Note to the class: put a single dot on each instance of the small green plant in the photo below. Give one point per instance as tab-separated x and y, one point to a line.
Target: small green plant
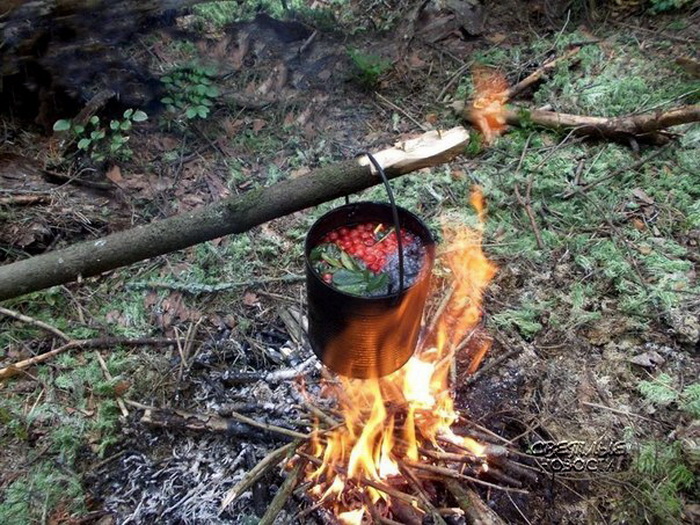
660	391
191	92
103	142
369	67
662	6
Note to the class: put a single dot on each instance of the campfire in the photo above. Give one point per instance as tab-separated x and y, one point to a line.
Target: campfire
395	433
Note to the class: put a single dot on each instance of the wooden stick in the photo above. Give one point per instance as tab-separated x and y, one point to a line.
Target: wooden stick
34	322
525	202
268	462
533	77
196	288
442	471
283	494
474	508
24	200
415	483
374	484
109	377
17	367
181	419
644	126
236	214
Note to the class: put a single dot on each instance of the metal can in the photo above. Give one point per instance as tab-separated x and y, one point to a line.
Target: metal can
366	337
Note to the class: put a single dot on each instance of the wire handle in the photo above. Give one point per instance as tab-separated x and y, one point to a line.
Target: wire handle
395	214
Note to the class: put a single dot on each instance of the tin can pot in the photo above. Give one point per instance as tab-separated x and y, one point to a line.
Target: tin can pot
366	337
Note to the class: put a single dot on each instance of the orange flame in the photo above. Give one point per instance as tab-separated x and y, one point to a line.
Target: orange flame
488	110
388	420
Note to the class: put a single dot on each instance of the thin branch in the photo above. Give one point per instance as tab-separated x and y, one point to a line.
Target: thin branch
100	342
257	472
283	494
198	288
35	322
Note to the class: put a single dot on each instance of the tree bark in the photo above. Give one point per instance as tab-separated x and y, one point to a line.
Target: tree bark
233	215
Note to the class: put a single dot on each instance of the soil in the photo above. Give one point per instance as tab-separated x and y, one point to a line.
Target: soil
284	93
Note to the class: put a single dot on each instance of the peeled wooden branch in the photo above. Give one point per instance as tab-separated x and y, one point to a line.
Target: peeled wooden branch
233	215
645	126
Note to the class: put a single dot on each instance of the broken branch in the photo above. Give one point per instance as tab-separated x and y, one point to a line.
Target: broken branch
644	126
236	214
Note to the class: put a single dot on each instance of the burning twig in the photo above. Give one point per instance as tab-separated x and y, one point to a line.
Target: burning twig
283	494
415	483
472	505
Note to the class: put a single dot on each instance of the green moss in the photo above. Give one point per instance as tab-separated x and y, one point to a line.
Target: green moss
31	497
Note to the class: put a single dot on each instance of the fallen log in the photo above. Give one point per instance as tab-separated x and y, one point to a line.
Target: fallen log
644	126
233	215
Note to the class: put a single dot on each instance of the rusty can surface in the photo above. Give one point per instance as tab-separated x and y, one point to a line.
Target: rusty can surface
366	337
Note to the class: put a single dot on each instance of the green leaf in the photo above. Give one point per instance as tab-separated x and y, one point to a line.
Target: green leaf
125	126
128	113
78	129
377	282
349	282
167	100
84	143
114	125
95	120
349	262
166	80
202	111
191	112
212	92
139	116
61	125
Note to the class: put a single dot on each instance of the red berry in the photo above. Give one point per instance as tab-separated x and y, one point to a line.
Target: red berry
333	236
328	278
343	230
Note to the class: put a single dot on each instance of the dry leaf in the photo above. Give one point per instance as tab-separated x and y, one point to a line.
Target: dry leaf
121	388
641	195
258	124
649	359
250	299
115	175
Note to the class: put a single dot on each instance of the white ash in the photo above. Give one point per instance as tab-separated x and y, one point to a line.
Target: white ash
185	487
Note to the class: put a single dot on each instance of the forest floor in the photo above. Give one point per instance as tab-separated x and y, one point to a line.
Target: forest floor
594	311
